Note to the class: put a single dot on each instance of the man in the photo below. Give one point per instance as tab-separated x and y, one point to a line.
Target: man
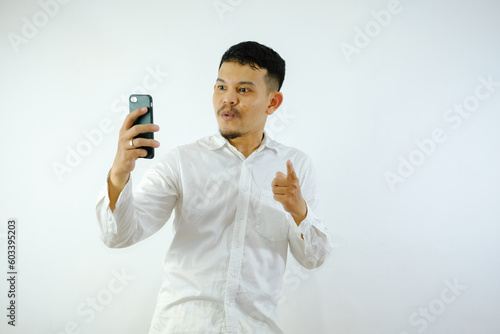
236	214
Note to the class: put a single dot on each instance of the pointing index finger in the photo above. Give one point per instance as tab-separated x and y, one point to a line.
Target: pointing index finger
290	170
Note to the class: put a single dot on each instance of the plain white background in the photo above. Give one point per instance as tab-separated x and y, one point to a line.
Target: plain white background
369	85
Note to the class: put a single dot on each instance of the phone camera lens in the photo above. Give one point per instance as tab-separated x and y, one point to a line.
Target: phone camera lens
133	99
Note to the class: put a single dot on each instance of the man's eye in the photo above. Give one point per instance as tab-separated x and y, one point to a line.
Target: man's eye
220	87
244	90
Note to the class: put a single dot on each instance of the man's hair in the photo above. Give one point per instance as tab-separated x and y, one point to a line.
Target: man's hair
258	56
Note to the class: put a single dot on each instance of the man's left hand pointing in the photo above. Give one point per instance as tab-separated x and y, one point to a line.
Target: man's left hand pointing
286	190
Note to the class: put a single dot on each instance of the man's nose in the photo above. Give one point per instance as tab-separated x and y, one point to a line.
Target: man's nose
230	98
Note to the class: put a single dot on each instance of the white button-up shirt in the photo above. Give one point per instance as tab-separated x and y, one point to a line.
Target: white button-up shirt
223	271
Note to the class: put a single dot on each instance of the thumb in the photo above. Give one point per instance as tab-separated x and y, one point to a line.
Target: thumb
290	171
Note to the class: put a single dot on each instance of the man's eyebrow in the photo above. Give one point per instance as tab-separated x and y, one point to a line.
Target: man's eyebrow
239	83
246	83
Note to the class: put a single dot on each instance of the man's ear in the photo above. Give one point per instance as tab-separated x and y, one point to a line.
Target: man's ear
275	102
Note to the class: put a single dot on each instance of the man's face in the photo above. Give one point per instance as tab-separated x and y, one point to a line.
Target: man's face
241	101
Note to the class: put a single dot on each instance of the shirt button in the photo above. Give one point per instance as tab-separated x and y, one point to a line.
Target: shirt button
234	274
237	245
245	188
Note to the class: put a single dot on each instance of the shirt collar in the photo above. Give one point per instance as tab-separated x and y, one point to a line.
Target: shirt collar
217	141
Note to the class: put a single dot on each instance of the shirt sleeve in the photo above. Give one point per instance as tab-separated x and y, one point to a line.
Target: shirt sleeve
140	214
311	251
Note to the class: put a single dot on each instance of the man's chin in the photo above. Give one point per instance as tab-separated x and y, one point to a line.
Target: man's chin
230	134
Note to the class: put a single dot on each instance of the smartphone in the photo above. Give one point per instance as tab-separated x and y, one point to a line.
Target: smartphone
139	101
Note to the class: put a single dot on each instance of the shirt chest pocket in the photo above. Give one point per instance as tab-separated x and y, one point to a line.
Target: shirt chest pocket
272	219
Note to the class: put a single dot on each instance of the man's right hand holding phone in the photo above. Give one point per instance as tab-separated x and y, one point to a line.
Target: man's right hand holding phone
128	152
